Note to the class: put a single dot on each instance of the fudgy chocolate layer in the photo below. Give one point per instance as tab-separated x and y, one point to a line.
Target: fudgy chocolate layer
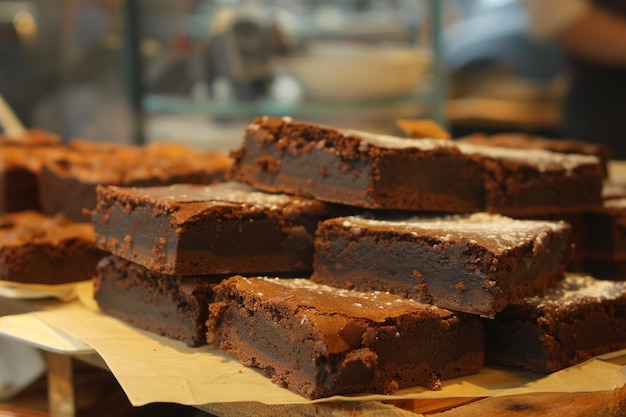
474	263
384	172
69	182
169	305
353	168
36	249
320	341
219	229
579	318
21	167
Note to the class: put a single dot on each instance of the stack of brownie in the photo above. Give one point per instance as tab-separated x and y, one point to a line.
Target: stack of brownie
170	244
45	185
463	264
173	248
22	160
582	225
342	262
35	248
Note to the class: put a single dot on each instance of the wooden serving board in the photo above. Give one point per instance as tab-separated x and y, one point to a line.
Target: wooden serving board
603	403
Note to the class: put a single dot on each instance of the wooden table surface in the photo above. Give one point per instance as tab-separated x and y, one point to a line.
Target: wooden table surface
597	404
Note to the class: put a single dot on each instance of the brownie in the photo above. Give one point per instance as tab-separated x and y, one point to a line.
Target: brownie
475	263
21	159
320	341
88	146
280	155
20	167
36	249
528	182
170	305
32	137
223	228
69	183
386	172
580	318
527	141
607	231
607	239
579	237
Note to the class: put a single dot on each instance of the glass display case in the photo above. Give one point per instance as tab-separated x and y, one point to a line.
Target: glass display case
200	70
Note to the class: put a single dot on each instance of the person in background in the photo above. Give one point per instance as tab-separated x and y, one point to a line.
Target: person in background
592	34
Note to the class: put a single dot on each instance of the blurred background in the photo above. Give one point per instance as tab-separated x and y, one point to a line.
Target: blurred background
198	71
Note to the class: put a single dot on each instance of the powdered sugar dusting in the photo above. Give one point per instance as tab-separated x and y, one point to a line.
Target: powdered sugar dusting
393	142
230	192
373	305
496	231
542	159
577	286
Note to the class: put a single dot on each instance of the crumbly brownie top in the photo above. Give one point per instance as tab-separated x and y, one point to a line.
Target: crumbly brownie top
303	295
32	227
188	200
30	157
496	232
526	141
578	287
90	146
542	159
32	137
229	193
122	164
393	142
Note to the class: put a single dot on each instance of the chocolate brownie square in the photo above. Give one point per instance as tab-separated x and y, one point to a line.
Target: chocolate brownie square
223	228
20	168
606	254
69	183
607	231
31	137
36	249
579	237
170	305
518	140
385	172
475	263
320	341
579	318
527	182
357	168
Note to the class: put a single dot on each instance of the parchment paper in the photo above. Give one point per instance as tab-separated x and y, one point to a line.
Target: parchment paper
64	292
151	368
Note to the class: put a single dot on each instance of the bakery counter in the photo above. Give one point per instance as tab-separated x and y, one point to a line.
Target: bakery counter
151	369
